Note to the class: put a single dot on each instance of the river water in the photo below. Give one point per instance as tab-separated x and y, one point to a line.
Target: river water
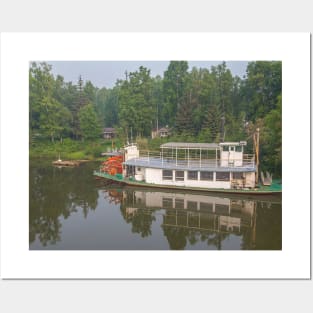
69	209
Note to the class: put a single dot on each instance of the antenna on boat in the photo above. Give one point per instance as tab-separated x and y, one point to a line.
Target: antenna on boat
256	141
131	135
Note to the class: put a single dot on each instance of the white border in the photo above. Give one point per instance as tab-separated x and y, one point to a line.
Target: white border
16	52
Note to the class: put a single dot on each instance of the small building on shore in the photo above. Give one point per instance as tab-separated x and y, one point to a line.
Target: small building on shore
161	132
109	133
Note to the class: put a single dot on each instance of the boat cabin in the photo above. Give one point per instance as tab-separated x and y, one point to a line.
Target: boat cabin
232	153
196	165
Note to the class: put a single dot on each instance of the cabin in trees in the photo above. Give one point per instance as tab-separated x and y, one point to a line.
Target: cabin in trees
109	133
162	132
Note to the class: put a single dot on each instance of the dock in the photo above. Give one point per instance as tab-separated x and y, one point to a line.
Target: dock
70	163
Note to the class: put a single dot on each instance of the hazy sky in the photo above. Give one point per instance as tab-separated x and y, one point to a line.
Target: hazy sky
106	73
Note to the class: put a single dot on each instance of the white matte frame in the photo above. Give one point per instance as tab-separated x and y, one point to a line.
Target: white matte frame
18	49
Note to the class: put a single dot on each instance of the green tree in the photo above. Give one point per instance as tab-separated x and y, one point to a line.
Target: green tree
90	92
54	118
184	123
261	87
207	100
79	102
88	121
193	93
108	106
223	92
59	90
174	89
41	83
211	124
68	95
205	135
135	103
157	102
272	139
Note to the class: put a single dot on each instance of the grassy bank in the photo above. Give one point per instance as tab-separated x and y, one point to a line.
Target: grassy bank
91	150
70	149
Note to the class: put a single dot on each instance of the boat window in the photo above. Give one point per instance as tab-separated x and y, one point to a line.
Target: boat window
238	148
231	148
193	219
206	175
138	169
193	175
167	203
167	175
179	175
204	206
179	203
222	176
221	209
192	205
237	175
225	148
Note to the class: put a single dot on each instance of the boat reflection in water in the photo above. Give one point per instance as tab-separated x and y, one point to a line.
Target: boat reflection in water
70	210
201	221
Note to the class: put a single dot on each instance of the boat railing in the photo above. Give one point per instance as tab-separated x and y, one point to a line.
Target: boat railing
248	160
154	157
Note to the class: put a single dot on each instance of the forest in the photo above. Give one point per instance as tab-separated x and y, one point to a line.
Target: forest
196	104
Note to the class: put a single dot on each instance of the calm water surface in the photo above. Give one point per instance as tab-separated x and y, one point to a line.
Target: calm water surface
71	210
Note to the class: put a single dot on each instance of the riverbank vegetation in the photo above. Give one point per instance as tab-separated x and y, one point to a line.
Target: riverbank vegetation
69	149
196	105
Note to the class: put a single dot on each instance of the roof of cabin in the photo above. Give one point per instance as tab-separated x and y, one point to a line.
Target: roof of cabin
109	130
161	129
190	145
241	143
164	129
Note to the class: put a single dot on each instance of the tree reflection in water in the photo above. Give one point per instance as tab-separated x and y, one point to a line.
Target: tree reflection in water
189	219
175	220
54	193
140	217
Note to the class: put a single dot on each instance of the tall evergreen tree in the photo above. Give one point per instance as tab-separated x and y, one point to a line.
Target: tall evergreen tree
107	106
174	87
78	104
184	123
212	124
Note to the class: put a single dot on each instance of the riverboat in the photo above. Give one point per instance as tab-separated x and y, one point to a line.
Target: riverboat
219	167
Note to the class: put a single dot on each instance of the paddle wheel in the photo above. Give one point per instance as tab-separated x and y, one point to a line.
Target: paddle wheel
113	165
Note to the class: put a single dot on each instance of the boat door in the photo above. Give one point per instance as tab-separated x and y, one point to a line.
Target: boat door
130	170
231	156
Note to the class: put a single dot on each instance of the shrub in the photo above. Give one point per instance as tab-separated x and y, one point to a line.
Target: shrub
79	155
